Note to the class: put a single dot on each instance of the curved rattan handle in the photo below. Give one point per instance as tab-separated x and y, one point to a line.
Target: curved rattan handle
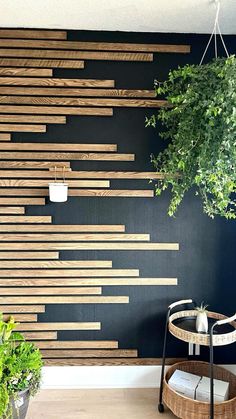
228	320
179	303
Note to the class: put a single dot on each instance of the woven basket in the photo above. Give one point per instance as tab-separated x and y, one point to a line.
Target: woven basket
186	408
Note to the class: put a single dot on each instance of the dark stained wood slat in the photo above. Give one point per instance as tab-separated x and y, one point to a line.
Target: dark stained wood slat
51	291
89	246
66	156
46	119
97	237
31	62
25	219
56	110
12	210
78	344
109	361
67	299
5	137
33	34
22	128
95	46
17	71
89	353
22	201
28	255
56	82
8	164
59	326
60	282
56	264
64	228
48	273
22	309
57	146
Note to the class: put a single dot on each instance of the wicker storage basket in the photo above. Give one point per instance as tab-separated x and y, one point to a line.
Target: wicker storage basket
186	408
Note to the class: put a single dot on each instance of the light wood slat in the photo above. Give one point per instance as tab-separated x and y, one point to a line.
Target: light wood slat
31	62
75	101
12	210
56	264
25	218
90	246
59	326
56	110
17	71
51	291
33	34
22	201
22	282
67	156
63	228
22	309
78	344
5	137
40	273
50	174
57	146
128	193
21	317
31	165
56	82
40	335
75	55
13	184
63	91
95	46
97	237
65	300
33	118
23	128
109	361
29	255
89	353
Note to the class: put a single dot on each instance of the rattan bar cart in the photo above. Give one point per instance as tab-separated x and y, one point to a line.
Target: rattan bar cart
181	324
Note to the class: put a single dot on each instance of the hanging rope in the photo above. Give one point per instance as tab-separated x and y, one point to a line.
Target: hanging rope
216	28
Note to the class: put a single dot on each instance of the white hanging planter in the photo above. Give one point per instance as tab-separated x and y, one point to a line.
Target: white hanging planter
58	191
202	322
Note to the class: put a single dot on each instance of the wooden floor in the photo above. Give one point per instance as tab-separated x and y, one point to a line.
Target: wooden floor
96	404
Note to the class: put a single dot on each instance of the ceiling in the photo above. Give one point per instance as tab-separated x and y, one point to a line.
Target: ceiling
189	16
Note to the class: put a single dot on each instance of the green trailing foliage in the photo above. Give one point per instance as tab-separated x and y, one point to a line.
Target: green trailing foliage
199	122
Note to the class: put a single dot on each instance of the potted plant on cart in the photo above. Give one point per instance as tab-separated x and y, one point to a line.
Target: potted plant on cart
20	371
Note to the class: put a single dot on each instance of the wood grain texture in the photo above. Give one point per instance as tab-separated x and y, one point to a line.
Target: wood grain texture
59	326
50	174
21	317
83	92
94	174
22	201
51	110
78	344
126	193
26	72
45	119
89	353
87	237
57	146
66	156
45	282
5	137
94	46
56	264
110	362
32	34
63	228
56	82
22	309
40	335
31	62
90	246
13	184
75	55
38	219
8	164
51	291
65	300
28	255
12	210
41	273
22	128
75	101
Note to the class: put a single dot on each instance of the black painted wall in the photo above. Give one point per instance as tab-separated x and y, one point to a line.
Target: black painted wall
205	264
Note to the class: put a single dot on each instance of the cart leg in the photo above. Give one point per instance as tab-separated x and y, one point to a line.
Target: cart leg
160	405
211	376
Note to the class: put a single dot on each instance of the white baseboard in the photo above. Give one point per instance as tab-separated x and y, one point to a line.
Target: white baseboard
104	377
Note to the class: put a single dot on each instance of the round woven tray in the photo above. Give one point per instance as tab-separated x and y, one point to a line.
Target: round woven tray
201	338
186	408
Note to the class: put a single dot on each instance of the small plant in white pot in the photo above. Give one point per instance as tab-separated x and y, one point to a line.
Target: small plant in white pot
201	319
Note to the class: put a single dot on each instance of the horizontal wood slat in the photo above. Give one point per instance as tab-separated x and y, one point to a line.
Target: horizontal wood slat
94	46
50	174
51	291
75	101
22	201
19	183
12	210
8	164
56	82
5	137
23	128
66	156
78	344
55	110
74	237
32	34
22	309
56	264
109	361
21	317
40	273
138	193
63	91
29	255
89	353
63	228
65	300
57	146
40	335
31	62
59	326
25	219
22	282
90	246
17	71
46	119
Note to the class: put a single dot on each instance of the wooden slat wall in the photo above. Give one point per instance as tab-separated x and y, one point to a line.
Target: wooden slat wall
57	146
5	137
56	264
22	127
63	300
127	193
42	282
56	110
89	246
30	62
32	34
22	309
12	210
25	219
26	72
64	228
46	119
28	255
54	82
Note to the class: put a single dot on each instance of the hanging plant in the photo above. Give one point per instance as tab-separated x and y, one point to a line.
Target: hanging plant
200	123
